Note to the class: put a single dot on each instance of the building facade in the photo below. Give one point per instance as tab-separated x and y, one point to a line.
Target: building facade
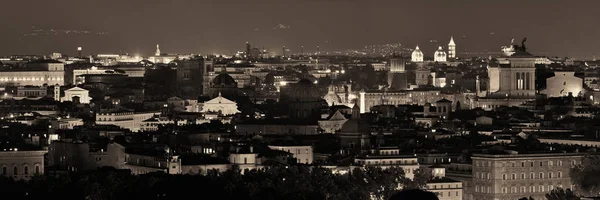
128	120
302	154
21	165
513	176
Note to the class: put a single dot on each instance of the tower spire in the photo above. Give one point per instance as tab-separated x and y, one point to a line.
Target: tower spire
451	41
157	50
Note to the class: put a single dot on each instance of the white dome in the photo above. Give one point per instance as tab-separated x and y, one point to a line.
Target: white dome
440	55
417	55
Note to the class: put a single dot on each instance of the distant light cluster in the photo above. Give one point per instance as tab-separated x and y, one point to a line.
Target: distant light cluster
48	32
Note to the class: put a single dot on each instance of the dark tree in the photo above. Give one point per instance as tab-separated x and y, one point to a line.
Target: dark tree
561	194
586	176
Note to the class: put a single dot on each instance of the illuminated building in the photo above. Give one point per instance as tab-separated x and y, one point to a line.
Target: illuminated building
389	157
417	55
77	95
161	58
397	65
420	97
130	71
128	120
340	94
31	91
21	164
513	176
563	84
333	123
512	81
397	77
36	73
451	48
220	105
439	55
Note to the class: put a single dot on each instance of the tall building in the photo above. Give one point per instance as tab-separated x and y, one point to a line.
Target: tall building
397	65
417	55
397	79
190	76
439	55
513	175
512	81
157	53
451	48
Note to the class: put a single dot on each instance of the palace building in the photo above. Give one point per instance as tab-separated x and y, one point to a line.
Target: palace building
35	73
513	176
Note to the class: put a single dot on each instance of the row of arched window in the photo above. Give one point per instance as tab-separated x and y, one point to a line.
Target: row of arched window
515	189
549	163
24	170
513	176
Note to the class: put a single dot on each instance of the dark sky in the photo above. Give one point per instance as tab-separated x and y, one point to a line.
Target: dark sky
559	28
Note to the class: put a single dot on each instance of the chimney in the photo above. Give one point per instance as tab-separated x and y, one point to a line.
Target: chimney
251	149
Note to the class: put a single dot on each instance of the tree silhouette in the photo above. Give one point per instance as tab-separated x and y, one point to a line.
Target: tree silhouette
586	176
561	194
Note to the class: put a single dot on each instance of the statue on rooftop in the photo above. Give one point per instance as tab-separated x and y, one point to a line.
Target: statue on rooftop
522	47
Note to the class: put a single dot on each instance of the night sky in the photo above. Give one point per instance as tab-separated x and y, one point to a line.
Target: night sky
558	28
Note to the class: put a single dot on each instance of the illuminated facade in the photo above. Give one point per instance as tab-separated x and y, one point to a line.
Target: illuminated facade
397	65
389	157
405	97
128	120
341	94
36	73
220	105
451	48
78	95
512	81
417	55
439	55
161	58
563	84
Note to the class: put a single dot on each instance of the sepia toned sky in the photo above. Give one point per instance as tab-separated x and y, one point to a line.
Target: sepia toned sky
553	27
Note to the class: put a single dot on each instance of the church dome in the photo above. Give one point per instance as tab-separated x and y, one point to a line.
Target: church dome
417	55
355	126
440	52
270	78
305	82
224	79
440	55
304	90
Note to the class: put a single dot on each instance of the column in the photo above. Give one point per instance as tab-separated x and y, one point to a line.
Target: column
362	102
516	78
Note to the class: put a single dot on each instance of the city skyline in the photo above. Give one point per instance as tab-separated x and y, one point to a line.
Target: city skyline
223	27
